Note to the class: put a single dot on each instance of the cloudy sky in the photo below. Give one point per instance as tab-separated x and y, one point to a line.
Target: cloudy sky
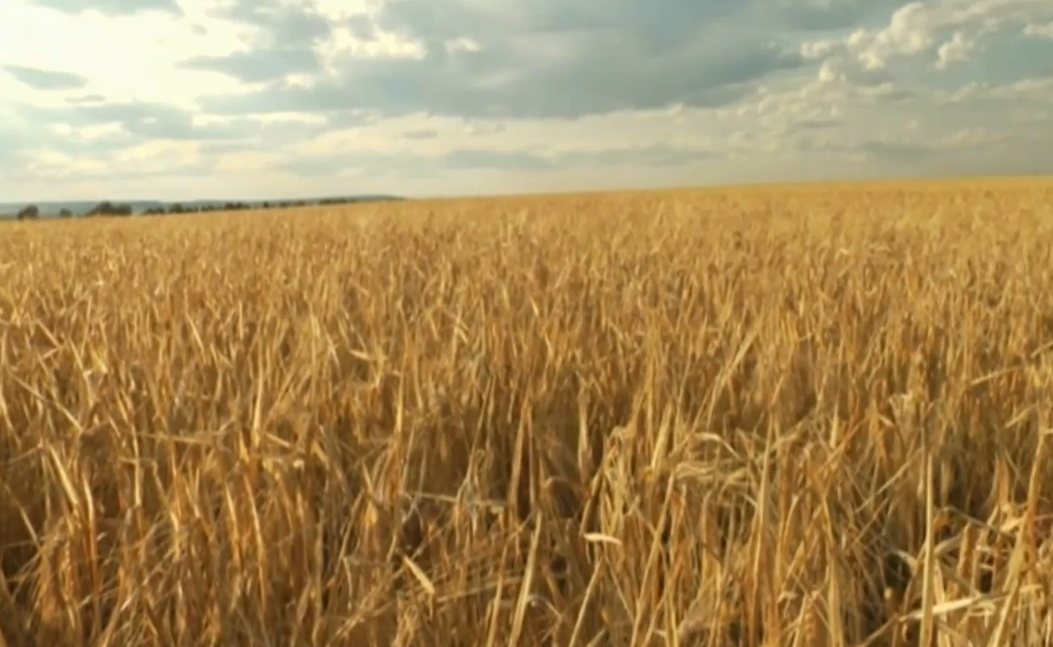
180	99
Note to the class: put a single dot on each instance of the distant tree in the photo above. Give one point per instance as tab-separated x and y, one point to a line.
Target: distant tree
30	212
65	213
107	208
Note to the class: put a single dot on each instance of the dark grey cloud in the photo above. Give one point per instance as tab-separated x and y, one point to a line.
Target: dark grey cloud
111	7
1007	57
259	66
361	27
87	98
595	77
291	24
46	79
537	58
140	119
654	27
287	36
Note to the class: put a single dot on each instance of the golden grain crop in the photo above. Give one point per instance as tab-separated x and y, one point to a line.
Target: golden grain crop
759	417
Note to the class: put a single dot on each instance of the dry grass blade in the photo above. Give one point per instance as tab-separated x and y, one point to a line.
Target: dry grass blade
758	417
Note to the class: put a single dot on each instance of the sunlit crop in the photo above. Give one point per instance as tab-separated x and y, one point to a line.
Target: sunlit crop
793	417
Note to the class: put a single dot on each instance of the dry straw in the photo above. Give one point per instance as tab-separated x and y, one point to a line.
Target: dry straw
769	417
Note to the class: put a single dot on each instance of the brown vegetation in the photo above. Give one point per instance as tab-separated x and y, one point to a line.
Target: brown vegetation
768	417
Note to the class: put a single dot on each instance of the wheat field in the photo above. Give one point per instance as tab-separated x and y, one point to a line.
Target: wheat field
791	416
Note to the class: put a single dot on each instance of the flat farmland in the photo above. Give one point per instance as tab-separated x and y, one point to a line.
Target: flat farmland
767	416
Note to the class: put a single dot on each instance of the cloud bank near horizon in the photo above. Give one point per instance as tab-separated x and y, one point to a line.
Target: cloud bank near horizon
179	99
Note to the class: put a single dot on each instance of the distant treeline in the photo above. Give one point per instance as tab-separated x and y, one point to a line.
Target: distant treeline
107	208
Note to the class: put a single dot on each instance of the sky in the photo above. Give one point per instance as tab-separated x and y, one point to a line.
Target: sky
269	99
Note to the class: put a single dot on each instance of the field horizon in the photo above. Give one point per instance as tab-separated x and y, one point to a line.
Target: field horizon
756	416
77	206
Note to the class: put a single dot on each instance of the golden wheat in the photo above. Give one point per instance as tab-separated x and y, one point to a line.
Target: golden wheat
762	417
